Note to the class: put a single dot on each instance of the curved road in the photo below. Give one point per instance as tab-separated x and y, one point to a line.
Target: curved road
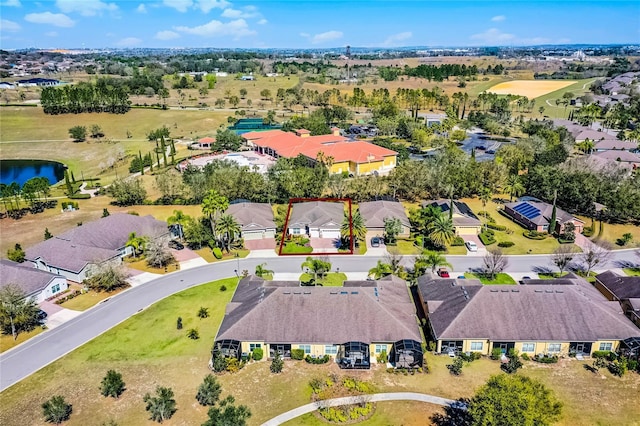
31	356
376	397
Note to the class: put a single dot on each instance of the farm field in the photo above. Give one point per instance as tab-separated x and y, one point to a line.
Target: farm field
529	88
149	351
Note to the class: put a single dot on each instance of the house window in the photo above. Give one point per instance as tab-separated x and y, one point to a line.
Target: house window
307	348
476	346
528	347
296	231
606	346
380	348
55	288
253	346
330	350
554	348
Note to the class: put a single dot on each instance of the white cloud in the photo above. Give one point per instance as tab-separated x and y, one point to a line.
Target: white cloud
85	7
396	39
179	5
51	34
237	28
493	36
207	5
7	26
246	12
325	37
166	35
141	8
262	21
498	18
11	3
55	19
129	42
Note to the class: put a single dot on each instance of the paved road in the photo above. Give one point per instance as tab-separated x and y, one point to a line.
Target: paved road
376	397
45	348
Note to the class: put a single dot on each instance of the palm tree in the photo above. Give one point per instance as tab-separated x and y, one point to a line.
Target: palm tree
380	270
262	271
179	219
357	224
441	231
162	406
317	267
434	259
228	227
212	205
514	187
137	243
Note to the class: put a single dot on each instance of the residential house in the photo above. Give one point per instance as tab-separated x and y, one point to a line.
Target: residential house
352	324
36	284
536	215
318	219
39	82
630	158
615	145
538	318
255	219
73	252
356	158
465	222
592	135
374	214
205	143
622	289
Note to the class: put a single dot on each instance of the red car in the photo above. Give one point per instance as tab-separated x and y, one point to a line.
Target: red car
443	273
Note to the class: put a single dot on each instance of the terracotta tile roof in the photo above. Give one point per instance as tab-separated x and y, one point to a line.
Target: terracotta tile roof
259	135
207	140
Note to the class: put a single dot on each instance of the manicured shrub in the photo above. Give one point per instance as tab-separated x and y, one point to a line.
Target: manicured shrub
496	353
317	360
588	231
217	253
457	241
257	354
535	235
618	367
492	225
506	244
80	196
546	359
512	366
600	354
203	312
471	357
382	357
525	357
297	354
277	364
223	288
487	239
193	334
455	368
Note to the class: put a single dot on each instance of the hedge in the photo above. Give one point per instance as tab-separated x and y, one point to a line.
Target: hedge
506	244
563	241
257	354
534	235
217	253
487	239
457	241
80	196
492	225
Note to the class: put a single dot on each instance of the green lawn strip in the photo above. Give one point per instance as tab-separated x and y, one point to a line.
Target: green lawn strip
362	249
550	275
290	248
207	254
404	246
7	342
87	300
632	272
332	279
456	250
500	279
560	111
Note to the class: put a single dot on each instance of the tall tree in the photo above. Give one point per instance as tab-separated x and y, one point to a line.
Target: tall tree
595	254
514	187
562	256
227	227
56	410
356	223
553	220
392	227
441	231
319	267
137	243
161	406
179	219
213	205
494	262
18	313
432	260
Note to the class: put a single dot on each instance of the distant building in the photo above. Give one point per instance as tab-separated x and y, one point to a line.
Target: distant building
39	82
247	78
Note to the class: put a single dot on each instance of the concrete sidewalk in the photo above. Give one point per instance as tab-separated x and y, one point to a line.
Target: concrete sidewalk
60	317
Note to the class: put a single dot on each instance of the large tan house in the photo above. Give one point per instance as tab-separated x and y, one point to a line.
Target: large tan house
551	317
357	158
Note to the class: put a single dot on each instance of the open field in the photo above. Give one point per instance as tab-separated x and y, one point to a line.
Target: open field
529	88
149	351
548	101
612	231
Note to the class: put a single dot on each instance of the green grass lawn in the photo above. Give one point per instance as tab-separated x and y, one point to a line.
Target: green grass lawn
579	88
332	279
207	254
291	248
632	272
500	278
404	247
7	342
88	299
551	275
612	231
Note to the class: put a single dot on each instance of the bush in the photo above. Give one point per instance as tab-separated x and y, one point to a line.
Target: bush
487	239
317	360
601	354
79	196
223	287
496	353
486	215
506	244
193	334
471	357
257	354
512	366
277	364
217	253
492	225
456	367
546	359
66	204
618	367
457	241
525	357
382	357
588	231
297	354
203	312
535	235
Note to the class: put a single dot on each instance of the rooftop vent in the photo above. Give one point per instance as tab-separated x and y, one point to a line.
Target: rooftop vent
538	291
344	292
297	292
548	291
559	291
287	292
515	291
307	292
354	292
493	290
333	292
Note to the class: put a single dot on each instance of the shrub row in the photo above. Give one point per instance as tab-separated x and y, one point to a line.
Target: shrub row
546	359
297	354
69	296
588	231
506	244
65	204
471	357
317	360
80	196
486	215
535	235
492	225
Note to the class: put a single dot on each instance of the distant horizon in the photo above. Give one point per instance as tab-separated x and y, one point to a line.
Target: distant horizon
309	24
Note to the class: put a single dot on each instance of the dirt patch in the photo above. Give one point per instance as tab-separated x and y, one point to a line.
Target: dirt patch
529	88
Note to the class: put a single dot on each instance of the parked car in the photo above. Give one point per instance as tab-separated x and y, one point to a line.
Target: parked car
471	246
443	273
42	315
176	245
376	241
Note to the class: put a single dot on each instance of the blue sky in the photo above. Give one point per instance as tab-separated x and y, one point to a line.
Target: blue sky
312	23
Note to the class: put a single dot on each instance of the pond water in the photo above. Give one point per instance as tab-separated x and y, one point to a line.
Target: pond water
21	171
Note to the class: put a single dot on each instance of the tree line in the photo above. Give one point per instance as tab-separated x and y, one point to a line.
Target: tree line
101	96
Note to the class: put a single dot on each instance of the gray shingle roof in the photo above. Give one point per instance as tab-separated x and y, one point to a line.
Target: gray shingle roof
252	216
462	214
565	313
28	278
616	144
329	315
316	214
627	156
95	241
546	210
375	212
621	287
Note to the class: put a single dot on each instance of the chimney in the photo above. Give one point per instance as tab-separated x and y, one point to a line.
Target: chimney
303	133
335	131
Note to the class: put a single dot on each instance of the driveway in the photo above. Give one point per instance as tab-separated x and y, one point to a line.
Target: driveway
261	244
326	245
482	250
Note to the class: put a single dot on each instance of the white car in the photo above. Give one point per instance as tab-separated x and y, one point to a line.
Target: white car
471	246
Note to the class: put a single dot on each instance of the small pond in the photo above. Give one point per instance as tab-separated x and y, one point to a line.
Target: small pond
21	171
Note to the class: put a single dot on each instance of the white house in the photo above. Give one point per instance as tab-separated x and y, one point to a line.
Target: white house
36	284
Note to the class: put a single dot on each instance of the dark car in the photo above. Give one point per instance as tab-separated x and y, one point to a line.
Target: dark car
176	245
376	241
41	316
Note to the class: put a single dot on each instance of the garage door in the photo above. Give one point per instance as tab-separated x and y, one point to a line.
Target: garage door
472	230
252	235
330	234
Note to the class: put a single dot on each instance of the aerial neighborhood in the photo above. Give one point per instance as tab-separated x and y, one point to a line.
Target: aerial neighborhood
316	234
